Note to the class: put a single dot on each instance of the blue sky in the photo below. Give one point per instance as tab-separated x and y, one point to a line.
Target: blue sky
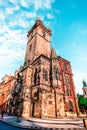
67	20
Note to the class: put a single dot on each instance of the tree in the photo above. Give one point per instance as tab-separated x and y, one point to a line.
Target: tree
82	102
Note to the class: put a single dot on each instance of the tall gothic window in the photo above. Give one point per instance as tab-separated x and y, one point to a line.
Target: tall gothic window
35	76
65	67
45	75
38	78
67	79
56	73
71	106
69	92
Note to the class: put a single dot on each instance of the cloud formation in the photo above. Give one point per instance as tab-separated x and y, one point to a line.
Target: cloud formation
16	18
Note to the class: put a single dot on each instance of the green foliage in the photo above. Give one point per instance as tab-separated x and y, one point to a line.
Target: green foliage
82	102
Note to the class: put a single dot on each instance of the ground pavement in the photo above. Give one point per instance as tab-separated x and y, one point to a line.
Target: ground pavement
45	124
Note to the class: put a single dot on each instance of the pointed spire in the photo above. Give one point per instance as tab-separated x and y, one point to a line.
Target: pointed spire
84	83
38	21
53	53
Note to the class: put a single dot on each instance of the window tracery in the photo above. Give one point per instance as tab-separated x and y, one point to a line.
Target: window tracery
45	74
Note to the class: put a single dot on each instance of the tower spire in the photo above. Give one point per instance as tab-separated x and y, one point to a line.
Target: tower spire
53	53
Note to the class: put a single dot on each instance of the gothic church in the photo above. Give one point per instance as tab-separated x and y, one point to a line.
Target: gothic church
47	86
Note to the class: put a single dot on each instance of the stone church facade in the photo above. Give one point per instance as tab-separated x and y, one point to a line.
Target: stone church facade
44	85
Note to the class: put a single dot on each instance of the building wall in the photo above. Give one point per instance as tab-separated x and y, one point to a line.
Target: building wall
68	85
85	92
5	89
26	89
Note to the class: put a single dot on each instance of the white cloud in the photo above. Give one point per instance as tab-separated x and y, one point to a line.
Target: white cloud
43	4
30	14
38	4
12	48
13	23
49	16
25	3
9	10
22	21
12	9
2	16
3	29
12	41
15	2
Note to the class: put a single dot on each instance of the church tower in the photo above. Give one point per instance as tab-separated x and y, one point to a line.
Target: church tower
38	42
84	89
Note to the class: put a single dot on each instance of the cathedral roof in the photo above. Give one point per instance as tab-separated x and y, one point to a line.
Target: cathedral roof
53	53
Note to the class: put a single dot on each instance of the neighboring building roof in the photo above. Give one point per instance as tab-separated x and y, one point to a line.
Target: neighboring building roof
63	59
39	58
6	79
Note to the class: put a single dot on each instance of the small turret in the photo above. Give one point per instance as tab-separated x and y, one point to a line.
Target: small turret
53	53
